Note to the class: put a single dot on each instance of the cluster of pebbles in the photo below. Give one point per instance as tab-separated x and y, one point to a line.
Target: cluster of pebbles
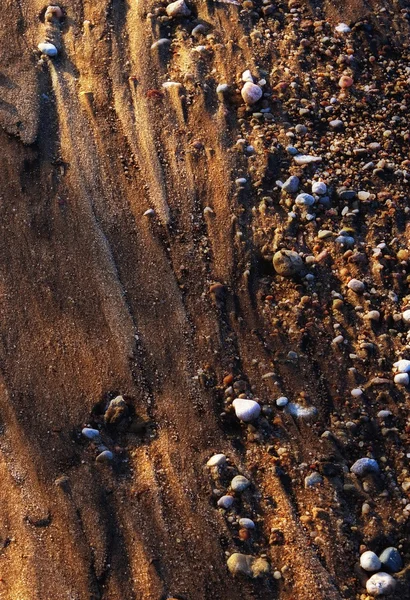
116	410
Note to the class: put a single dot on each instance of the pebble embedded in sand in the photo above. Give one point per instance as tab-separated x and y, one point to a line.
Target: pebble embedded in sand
345	82
48	49
225	502
91	434
240	483
301	412
304	200
406	316
401	379
356	285
369	561
282	401
306	159
391	559
178	9
251	93
319	188
246	410
53	12
287	263
246	523
372	315
313	480
222	88
364	466
244	564
380	584
161	43
217	460
342	28
291	185
402	366
106	456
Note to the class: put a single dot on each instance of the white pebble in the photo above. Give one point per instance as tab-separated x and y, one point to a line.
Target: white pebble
222	88
372	315
149	213
247	76
406	316
356	392
178	9
239	483
48	49
302	412
401	379
246	410
216	460
380	584
319	187
225	502
251	93
369	561
91	434
402	366
356	285
342	28
282	401
304	200
305	159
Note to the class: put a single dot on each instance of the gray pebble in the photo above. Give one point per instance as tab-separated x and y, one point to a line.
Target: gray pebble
313	480
240	483
287	263
291	185
105	457
91	434
364	466
391	560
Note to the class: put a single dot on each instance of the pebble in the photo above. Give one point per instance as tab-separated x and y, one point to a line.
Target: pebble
91	434
301	412
251	93
178	9
406	316
216	460
342	28
105	457
246	410
306	159
247	76
369	561
401	379
356	285
319	187
282	401
363	195
391	559
356	392
402	366
345	82
117	409
48	49
149	213
336	124
291	185
364	466
222	88
384	414
161	43
373	315
287	263
380	584
225	502
313	480
239	483
305	200
246	523
244	564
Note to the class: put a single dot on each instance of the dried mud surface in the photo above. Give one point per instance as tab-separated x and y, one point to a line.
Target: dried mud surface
98	300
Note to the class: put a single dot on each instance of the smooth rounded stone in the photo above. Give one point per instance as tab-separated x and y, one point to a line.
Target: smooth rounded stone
363	195
372	315
282	401
391	559
345	82
222	88
247	76
291	185
336	124
91	434
292	150
168	85
345	194
401	379
356	392
304	200
301	412
149	213
313	480
178	9
306	159
301	129
244	564
246	523
106	456
346	240
239	483
217	460
402	366
380	584
324	233
319	188
384	414
161	43
365	466
356	285
246	410
342	28
287	263
251	93
117	410
406	316
225	502
48	49
369	561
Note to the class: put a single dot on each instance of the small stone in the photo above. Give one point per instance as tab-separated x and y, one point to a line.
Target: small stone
401	379
287	263
313	480
306	159
402	366
48	49
319	188
356	285
246	410
291	185
161	43
342	28
345	82
336	124
363	195
372	315
369	561
282	401
105	457
251	93
380	584
305	200
244	564
356	392
149	213
240	483
217	460
391	559
117	410
246	523
178	9
225	502
222	88
91	434
301	412
406	316
384	414
345	194
365	466
247	76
